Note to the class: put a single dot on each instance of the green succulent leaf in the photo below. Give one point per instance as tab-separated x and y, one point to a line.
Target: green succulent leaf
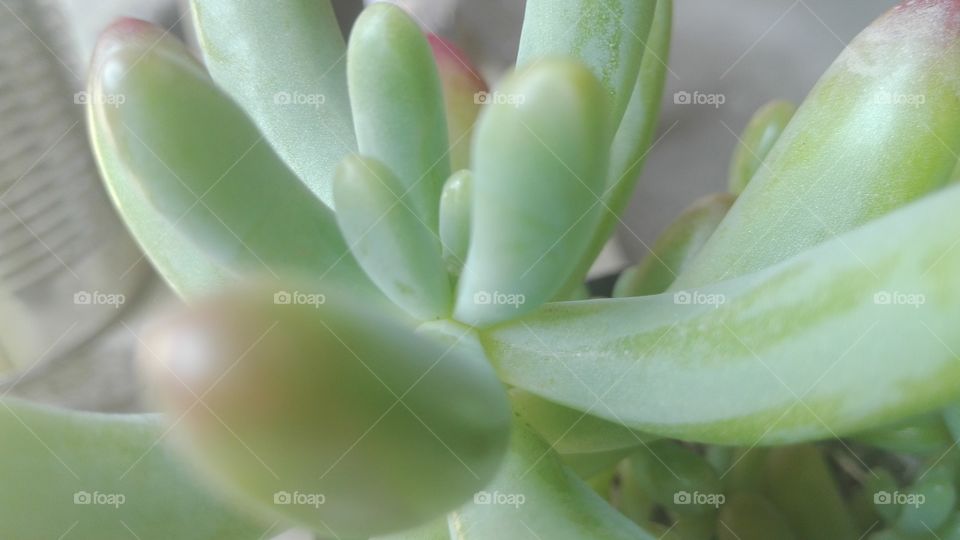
435	530
524	154
284	63
677	478
92	476
777	356
877	131
398	251
205	196
758	138
398	104
928	503
800	483
675	247
634	136
455	205
326	415
572	432
750	516
535	493
926	435
609	36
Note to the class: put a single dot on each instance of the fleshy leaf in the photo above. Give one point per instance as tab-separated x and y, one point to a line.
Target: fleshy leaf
812	347
633	137
673	249
525	154
569	431
927	435
202	191
455	220
92	476
800	483
436	530
284	63
398	251
877	131
325	412
758	138
535	493
398	107
609	36
750	516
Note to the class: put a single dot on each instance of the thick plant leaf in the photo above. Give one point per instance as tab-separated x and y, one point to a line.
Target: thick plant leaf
534	495
455	220
927	435
633	137
749	516
435	530
674	248
203	193
397	250
758	138
464	93
609	36
525	154
326	413
91	476
800	483
285	64
810	348
398	106
569	431
878	131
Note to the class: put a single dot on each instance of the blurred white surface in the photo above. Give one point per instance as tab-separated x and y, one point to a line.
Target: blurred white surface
63	252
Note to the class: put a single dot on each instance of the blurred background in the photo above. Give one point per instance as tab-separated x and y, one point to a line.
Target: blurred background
74	289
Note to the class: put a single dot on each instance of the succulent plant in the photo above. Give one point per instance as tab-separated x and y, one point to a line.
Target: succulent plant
384	332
